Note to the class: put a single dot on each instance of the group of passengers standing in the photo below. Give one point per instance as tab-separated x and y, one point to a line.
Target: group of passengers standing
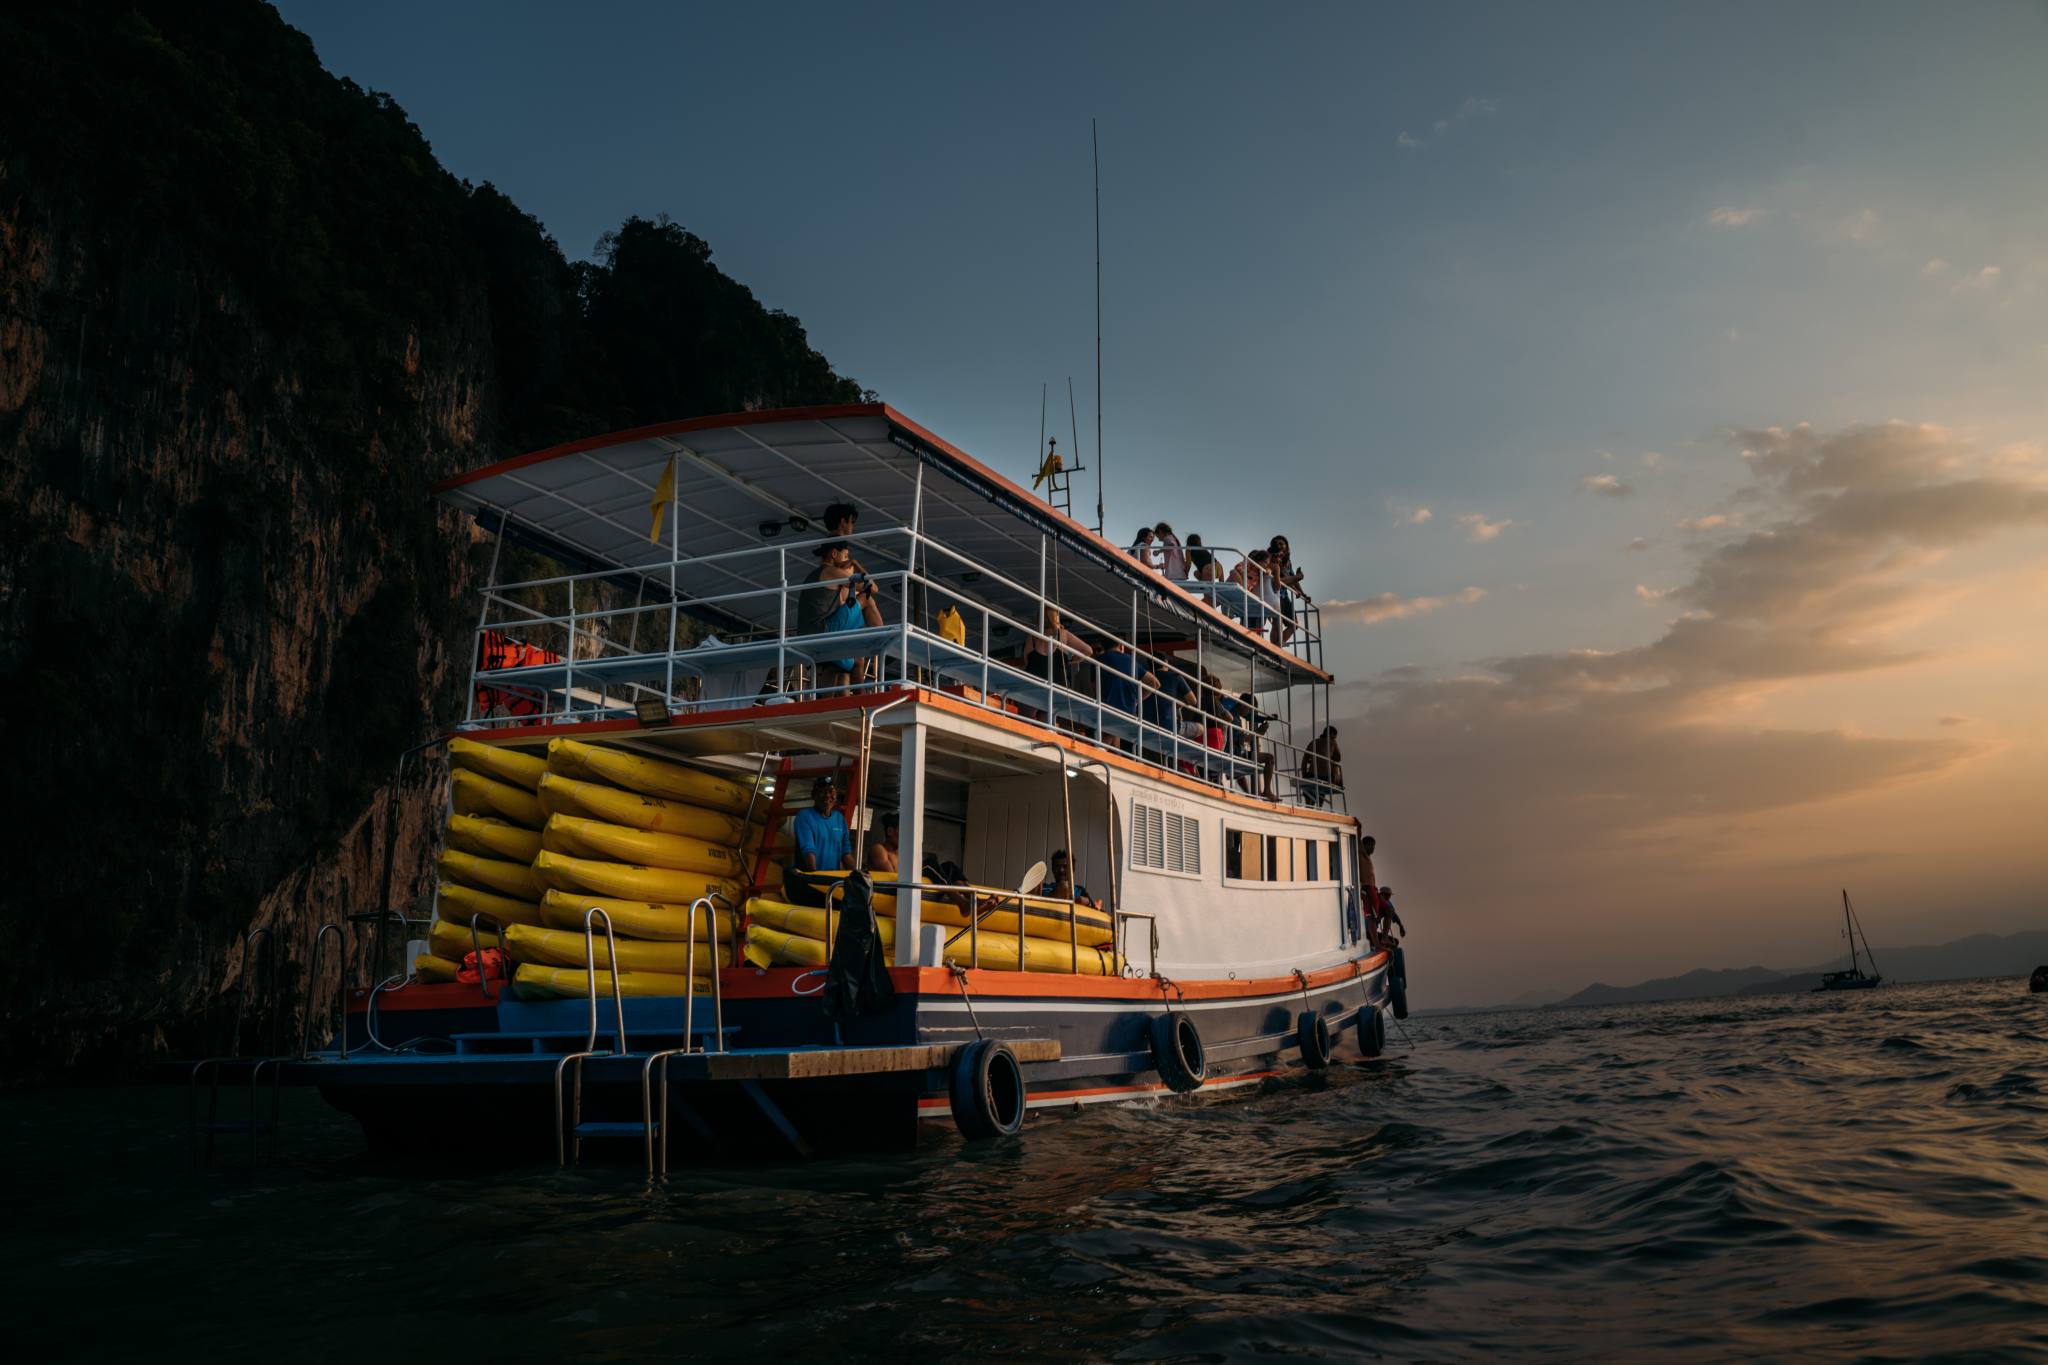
1270	578
1194	706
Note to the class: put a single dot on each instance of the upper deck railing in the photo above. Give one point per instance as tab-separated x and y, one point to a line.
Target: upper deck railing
747	642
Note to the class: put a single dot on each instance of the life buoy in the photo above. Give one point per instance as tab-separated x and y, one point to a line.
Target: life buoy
1372	1030
988	1092
1177	1051
1397	983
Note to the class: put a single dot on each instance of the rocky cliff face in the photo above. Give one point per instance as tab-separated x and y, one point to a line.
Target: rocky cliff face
245	320
222	618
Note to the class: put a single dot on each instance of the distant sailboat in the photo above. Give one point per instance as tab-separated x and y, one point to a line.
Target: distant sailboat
1854	979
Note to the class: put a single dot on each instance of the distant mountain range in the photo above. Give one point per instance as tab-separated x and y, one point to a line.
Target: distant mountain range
1977	955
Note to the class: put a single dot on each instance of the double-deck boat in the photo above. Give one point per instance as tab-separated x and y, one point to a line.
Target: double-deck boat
650	714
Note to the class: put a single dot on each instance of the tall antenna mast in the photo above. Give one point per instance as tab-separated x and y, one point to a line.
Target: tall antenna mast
1095	147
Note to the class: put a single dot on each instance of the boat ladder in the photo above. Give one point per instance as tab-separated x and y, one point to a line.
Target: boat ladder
571	1128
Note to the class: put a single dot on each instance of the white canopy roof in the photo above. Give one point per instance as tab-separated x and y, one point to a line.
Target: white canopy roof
744	480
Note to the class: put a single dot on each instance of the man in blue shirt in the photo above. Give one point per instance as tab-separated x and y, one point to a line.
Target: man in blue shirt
821	842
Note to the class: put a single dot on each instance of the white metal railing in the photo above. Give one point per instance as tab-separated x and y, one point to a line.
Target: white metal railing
592	660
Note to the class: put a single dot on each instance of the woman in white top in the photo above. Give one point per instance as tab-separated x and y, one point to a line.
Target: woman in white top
1173	561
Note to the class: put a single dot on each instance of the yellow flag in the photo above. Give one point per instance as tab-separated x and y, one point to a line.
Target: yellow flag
664	494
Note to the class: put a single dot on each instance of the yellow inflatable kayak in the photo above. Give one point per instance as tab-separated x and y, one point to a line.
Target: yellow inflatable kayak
496	761
649	776
450	941
560	948
490	874
533	980
1040	955
476	794
1043	919
581	838
772	948
664	884
805	922
561	795
427	967
492	838
635	919
458	903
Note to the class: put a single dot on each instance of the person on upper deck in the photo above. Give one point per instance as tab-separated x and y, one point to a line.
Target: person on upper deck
1250	574
1141	548
1120	667
1322	768
1202	563
1173	560
838	521
1059	881
1255	747
1049	655
883	849
843	601
1286	584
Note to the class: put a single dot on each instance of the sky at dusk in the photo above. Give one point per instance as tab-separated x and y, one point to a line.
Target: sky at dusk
1656	397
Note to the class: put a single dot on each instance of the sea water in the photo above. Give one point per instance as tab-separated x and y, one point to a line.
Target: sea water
1780	1177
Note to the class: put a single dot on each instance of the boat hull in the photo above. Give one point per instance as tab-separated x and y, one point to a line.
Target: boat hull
498	1106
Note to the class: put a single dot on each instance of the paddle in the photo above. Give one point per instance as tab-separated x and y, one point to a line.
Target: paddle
1033	879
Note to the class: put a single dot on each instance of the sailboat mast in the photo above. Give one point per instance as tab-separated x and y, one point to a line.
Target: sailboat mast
1849	928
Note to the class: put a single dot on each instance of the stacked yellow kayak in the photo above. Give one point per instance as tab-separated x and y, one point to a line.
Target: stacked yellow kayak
486	866
784	935
643	839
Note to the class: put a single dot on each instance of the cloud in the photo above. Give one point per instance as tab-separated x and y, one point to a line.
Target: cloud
1652	458
1536	761
1606	485
1640	790
1859	228
1713	521
1472	108
1734	217
1389	606
1637	544
1414	516
1478	528
1936	266
1985	279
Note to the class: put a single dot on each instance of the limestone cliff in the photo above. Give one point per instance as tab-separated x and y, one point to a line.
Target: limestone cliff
245	320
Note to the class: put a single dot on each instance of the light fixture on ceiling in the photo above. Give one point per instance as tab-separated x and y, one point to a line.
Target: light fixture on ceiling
770	529
799	523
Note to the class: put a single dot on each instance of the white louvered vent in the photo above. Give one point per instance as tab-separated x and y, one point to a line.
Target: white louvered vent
1164	840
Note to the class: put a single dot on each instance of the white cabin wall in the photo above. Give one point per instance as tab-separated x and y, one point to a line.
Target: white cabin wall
1210	928
1013	822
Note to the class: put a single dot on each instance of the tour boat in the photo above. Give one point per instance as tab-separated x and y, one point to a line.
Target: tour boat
647	718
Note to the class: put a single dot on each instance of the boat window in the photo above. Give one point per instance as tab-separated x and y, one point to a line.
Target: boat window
1249	857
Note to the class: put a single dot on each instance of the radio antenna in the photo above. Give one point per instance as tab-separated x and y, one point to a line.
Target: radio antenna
1074	419
1095	148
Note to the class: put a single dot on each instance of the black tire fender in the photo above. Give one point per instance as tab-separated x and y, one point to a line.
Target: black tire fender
1178	1053
988	1092
1312	1034
1372	1030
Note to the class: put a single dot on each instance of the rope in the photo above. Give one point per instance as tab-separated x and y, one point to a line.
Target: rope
1166	983
795	987
960	975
